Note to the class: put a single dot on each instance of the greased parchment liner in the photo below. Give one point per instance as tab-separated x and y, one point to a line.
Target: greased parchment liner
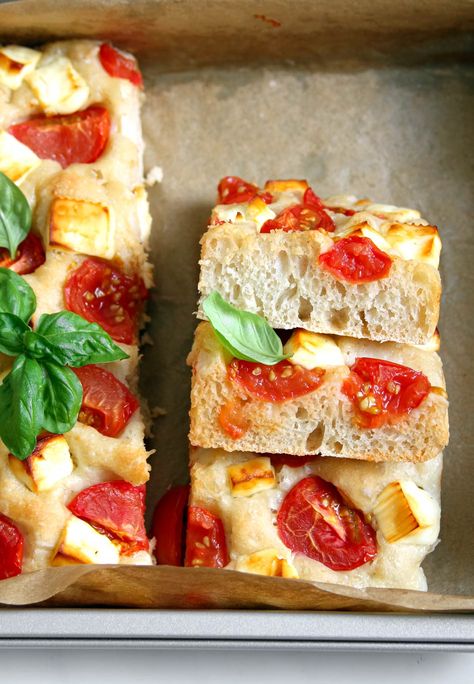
376	103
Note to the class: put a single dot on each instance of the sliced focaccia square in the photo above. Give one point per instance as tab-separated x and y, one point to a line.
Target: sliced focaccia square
321	519
334	396
340	265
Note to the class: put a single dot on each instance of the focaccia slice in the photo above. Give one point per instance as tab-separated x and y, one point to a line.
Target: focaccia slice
346	522
308	404
341	266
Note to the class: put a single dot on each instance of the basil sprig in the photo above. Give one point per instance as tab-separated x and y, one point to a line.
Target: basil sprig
245	335
41	391
15	215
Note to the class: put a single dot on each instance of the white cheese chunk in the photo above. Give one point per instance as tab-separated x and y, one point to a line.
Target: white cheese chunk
81	543
313	350
16	62
82	226
415	242
49	463
251	477
267	562
16	159
58	86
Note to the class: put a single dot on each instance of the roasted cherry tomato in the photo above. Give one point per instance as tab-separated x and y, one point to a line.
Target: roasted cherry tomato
356	259
118	65
29	256
103	294
309	215
169	526
11	548
107	405
291	461
315	520
71	139
234	190
116	509
232	419
276	383
205	540
383	392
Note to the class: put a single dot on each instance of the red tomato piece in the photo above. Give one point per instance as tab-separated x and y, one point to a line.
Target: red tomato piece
206	544
356	259
118	65
383	392
315	520
309	215
116	509
291	461
107	405
232	420
11	548
78	138
234	190
29	256
277	383
103	294
169	526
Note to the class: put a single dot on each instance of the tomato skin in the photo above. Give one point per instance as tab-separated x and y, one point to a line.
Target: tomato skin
279	460
356	259
107	404
234	190
29	257
169	525
274	383
67	139
117	509
393	390
206	545
103	294
309	215
11	548
314	520
118	65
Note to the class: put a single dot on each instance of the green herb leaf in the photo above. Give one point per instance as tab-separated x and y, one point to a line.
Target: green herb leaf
69	340
61	397
15	215
16	296
12	330
245	335
21	408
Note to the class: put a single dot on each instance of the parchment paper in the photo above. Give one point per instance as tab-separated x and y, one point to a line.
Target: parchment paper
398	135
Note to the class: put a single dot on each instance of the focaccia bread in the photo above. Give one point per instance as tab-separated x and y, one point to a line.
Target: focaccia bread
341	266
82	174
326	399
346	522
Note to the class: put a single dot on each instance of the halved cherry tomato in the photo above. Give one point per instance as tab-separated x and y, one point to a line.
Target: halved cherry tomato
103	294
383	392
71	139
356	259
309	215
290	461
169	526
206	544
29	256
232	420
107	405
276	383
118	65
315	520
116	509
11	548
234	190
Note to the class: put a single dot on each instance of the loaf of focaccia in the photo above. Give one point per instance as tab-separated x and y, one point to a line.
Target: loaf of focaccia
70	138
329	520
334	396
341	266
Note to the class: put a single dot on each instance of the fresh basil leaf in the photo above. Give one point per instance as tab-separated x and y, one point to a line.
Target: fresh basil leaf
12	330
16	296
15	215
21	408
69	340
245	335
61	397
